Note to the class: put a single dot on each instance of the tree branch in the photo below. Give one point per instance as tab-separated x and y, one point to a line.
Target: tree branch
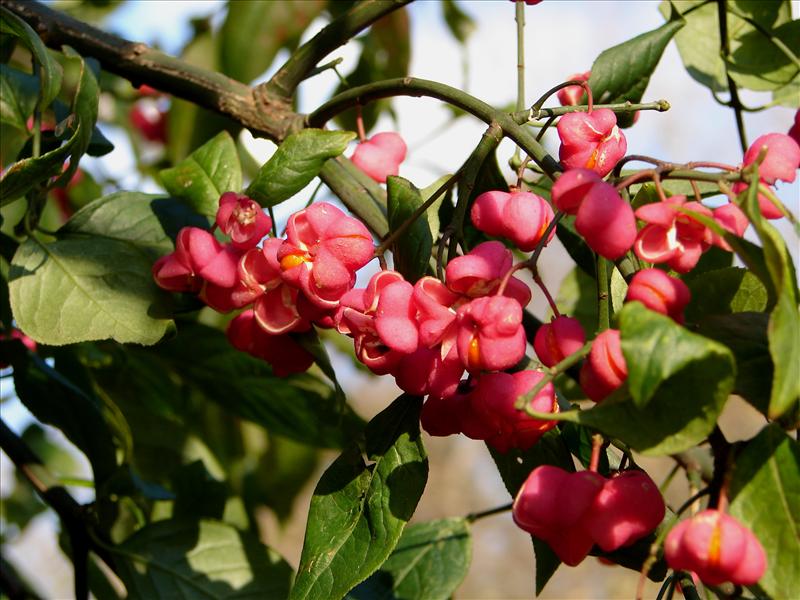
340	31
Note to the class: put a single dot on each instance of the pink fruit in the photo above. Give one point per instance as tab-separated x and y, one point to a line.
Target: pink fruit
380	156
591	141
659	292
794	130
242	219
606	221
149	120
781	161
198	257
605	369
571	188
716	547
571	95
558	339
282	352
490	334
627	508
522	217
732	219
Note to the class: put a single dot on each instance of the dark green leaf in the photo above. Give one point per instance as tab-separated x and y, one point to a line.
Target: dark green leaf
51	70
784	324
83	289
358	511
761	63
198	494
622	73
460	23
412	251
254	32
147	221
430	561
724	291
18	95
745	334
56	400
299	407
514	468
208	172
295	163
200	560
764	493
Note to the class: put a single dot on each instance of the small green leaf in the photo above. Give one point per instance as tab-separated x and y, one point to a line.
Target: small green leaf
412	251
254	32
724	291
295	163
207	173
430	561
460	24
358	511
622	73
82	289
514	467
299	407
51	70
765	496
148	221
200	560
745	334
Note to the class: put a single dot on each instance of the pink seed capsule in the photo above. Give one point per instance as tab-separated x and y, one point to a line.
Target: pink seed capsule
659	292
380	155
558	339
605	369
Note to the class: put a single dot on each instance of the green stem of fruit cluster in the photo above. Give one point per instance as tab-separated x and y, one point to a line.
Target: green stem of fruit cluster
520	20
553	372
536	113
603	294
725	48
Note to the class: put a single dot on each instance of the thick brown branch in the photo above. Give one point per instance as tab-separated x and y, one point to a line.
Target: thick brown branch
263	115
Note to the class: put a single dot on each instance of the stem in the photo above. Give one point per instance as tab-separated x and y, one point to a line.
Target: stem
546	293
472	517
336	34
722	455
411	86
597	446
725	50
520	19
36	150
362	135
687	586
552	373
603	295
535	113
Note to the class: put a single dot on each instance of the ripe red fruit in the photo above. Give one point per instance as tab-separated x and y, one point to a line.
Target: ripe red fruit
380	155
490	334
522	217
659	292
282	352
591	141
571	188
794	130
606	221
149	120
558	339
716	547
571	95
627	508
732	219
242	219
605	369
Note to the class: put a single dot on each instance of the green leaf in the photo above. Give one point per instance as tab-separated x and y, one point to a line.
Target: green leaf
430	561
207	173
87	288
684	391
412	251
724	291
254	32
622	73
299	407
25	174
514	467
198	494
295	163
745	334
788	95
358	511
762	63
50	69
433	212
150	222
56	400
764	495
784	324
200	560
577	297
18	95
84	107
460	24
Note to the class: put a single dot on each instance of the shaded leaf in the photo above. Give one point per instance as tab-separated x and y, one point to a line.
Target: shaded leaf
83	289
358	511
724	291
200	560
765	496
412	251
761	64
460	24
208	172
295	163
84	107
430	561
18	95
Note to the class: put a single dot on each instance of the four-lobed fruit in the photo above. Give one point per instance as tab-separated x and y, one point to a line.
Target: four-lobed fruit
380	156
